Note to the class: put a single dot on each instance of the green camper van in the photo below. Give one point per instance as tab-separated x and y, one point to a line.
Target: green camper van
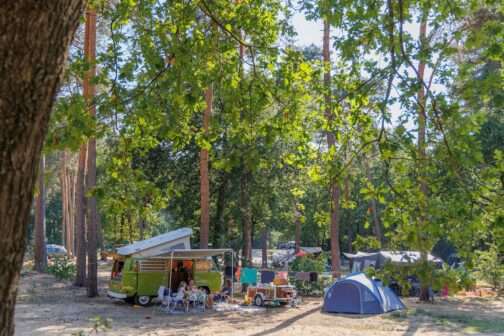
140	269
138	279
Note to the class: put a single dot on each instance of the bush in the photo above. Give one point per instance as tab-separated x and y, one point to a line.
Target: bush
489	267
309	264
62	268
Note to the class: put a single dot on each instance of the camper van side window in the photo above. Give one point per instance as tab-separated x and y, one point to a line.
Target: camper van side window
117	269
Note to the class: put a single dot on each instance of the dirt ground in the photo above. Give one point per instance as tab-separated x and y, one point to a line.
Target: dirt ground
50	307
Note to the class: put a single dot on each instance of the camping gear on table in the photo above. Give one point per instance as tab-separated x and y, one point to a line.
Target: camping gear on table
280	295
267	277
281	279
248	276
357	294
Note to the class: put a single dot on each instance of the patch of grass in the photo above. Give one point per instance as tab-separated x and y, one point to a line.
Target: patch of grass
465	322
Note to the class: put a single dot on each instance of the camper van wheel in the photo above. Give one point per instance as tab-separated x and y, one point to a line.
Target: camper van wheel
143	300
258	300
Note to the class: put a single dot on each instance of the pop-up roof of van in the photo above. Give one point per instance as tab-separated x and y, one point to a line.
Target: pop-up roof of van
158	245
193	254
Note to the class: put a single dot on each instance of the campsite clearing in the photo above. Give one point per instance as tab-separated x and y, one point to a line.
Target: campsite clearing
50	307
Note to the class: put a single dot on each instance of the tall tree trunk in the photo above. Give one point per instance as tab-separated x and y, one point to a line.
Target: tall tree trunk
34	41
64	216
246	218
89	93
297	222
377	230
264	248
331	143
72	209
40	224
80	219
204	178
422	204
219	231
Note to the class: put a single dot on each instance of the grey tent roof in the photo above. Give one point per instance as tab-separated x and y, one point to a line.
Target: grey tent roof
397	257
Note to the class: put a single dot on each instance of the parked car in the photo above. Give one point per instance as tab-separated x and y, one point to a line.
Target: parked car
54	250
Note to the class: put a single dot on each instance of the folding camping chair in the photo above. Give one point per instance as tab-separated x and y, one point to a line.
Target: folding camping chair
179	301
198	300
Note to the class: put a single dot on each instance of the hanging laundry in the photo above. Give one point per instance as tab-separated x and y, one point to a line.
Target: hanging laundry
267	276
313	276
248	276
303	276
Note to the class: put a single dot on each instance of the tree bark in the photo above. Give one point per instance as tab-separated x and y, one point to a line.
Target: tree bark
331	143
204	178
264	248
422	204
219	230
246	218
89	93
377	230
297	222
80	219
35	36
40	224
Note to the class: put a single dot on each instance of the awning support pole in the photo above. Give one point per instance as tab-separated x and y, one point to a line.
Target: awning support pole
171	268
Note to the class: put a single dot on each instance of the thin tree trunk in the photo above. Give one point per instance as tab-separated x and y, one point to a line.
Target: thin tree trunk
34	41
72	210
246	218
89	93
204	178
297	222
377	230
40	225
331	143
64	218
264	248
422	204
219	231
80	219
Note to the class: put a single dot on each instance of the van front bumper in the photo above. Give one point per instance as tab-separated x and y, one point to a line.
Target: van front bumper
116	295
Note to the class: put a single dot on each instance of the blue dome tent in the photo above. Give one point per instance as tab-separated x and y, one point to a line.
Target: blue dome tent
357	294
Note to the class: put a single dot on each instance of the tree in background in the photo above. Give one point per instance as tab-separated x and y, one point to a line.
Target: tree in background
40	252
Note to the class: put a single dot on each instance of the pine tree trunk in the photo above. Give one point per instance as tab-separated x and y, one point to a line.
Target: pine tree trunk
80	219
246	218
89	93
204	178
264	248
297	222
422	204
35	36
40	255
64	219
219	231
331	143
377	230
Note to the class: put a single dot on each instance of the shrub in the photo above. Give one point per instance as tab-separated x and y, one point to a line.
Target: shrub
489	267
62	268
